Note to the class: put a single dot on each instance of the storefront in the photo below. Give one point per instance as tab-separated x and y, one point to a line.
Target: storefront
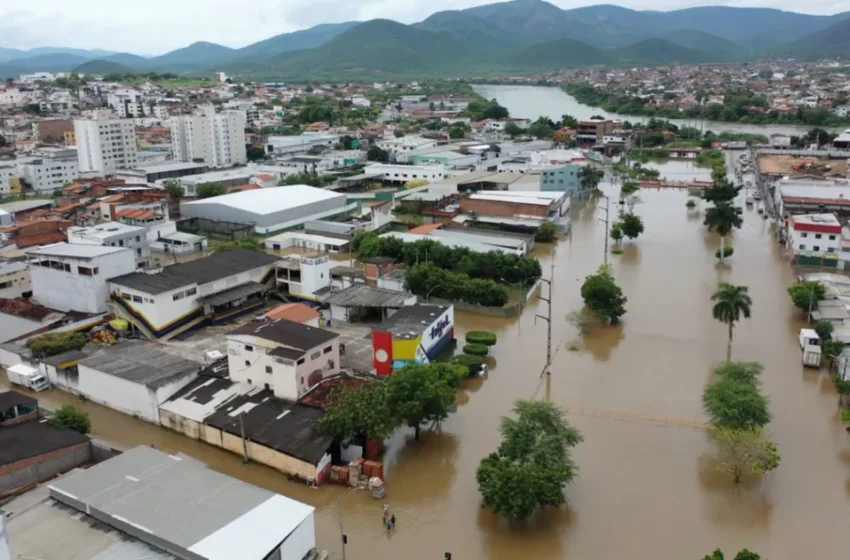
415	333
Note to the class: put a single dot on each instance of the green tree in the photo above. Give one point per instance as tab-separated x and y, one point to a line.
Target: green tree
422	393
629	188
744	452
832	349
722	218
617	233
569	121
631	224
590	177
824	330
730	304
174	189
457	132
70	417
736	404
512	129
744	372
541	128
603	296
533	464
355	412
209	190
743	555
255	153
806	295
53	343
375	153
722	191
546	232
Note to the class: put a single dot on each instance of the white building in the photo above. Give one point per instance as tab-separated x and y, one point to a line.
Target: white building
287	357
218	139
404	173
105	144
8	171
211	289
814	235
114	234
131	377
271	209
406	143
289	145
50	169
13	97
74	277
14	279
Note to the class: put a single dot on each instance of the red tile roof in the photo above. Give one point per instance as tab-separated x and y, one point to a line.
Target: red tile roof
23	241
246	187
425	229
23	308
297	312
318	396
136	213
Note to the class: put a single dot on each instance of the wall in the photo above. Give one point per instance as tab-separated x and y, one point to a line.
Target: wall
493	208
118	394
300	541
180	424
806	241
43	467
14	281
161	309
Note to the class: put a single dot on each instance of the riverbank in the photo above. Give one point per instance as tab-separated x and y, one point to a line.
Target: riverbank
531	102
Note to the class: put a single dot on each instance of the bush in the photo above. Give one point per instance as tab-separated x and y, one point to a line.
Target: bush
51	344
481	337
68	416
727	252
807	294
691	203
428	280
476	349
472	363
545	233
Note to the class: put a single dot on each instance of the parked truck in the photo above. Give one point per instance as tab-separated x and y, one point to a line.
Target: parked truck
811	347
27	376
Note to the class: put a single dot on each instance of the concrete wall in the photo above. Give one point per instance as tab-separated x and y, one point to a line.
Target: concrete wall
498	208
300	541
40	468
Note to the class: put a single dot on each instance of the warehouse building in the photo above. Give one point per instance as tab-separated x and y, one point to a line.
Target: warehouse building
414	334
270	210
178	505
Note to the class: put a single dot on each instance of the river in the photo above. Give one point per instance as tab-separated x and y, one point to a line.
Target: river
531	102
644	489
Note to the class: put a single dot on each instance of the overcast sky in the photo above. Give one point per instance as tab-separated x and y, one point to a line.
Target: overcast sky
157	26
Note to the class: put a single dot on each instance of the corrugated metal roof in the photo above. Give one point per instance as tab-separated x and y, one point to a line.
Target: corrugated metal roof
361	295
141	362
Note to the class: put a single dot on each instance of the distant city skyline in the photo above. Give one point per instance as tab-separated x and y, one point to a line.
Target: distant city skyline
158	26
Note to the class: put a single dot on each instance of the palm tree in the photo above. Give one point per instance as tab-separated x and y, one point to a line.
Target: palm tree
730	302
722	218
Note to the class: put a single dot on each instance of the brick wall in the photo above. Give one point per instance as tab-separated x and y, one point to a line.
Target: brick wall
21	419
42	467
493	208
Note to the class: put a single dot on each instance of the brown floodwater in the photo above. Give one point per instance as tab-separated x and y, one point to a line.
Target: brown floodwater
645	488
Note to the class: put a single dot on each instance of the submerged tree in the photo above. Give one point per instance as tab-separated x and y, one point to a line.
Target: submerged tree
603	296
730	304
722	218
744	452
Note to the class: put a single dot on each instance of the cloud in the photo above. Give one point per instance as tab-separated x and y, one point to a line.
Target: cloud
157	26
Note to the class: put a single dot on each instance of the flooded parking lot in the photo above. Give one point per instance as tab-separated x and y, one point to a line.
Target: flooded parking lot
643	490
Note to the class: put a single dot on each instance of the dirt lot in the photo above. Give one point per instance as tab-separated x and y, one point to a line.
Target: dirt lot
782	165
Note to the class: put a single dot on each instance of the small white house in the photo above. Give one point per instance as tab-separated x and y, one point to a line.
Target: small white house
69	276
287	357
114	234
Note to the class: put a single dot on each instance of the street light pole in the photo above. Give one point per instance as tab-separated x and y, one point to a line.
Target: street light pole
606	221
548	318
428	295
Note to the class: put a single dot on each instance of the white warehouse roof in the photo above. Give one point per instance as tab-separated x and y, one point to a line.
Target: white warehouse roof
270	200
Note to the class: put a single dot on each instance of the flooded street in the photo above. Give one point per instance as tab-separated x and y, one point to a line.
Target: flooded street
643	490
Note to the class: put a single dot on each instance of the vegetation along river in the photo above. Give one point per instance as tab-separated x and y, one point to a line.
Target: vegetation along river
532	102
644	490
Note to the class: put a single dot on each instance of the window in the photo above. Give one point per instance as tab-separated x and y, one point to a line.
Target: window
128	297
299	362
191	292
138	238
327	350
816	248
845	249
818	236
830	249
315	355
249	348
804	234
178	296
137	299
120	242
832	238
302	381
266	385
247	363
268	369
802	247
85	271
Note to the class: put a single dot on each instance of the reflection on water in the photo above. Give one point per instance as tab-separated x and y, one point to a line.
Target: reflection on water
643	490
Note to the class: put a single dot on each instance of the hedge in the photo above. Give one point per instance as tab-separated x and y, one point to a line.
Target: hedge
727	252
481	337
473	363
51	344
476	349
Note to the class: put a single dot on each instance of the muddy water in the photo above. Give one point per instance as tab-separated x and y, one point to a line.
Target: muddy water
644	491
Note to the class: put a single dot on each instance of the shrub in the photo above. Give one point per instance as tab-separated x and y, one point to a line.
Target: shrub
481	337
691	203
472	363
429	281
70	417
546	232
53	343
476	349
727	252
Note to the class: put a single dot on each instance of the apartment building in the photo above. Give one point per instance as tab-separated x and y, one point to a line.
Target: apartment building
105	144
217	139
114	234
50	169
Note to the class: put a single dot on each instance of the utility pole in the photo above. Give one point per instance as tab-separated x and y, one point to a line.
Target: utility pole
547	371
244	442
607	223
342	536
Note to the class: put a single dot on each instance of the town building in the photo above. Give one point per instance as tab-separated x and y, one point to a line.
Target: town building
399	174
74	277
291	145
213	289
175	505
217	139
564	178
414	334
17	408
14	279
49	168
358	302
296	312
105	144
153	172
131	377
814	239
270	210
52	131
114	234
228	178
594	130
20	318
476	240
287	357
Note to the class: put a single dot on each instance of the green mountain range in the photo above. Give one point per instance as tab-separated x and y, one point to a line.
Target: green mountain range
513	36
